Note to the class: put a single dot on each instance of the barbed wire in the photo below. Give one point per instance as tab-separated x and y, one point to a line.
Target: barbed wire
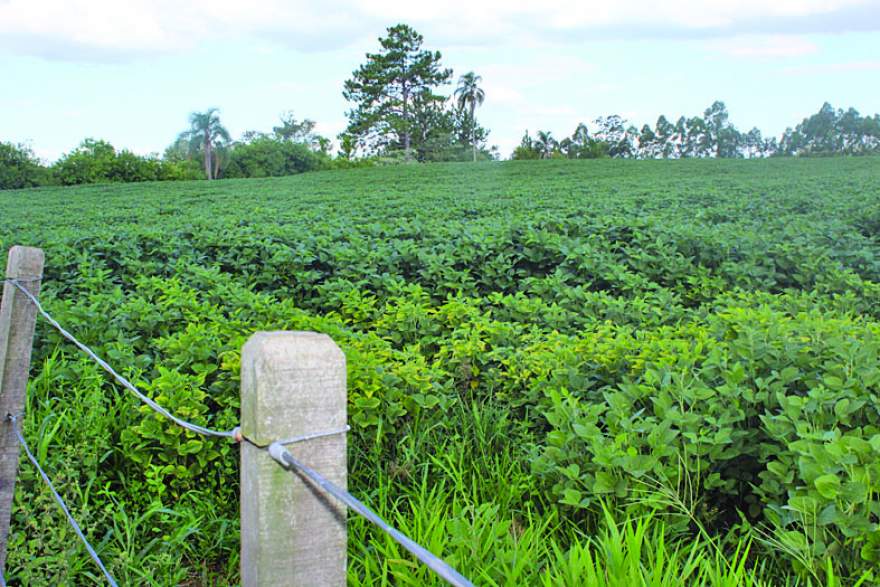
119	378
76	528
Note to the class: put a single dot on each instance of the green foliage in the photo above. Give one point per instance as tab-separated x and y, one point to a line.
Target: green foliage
469	95
395	106
20	168
206	139
831	132
98	162
828	132
300	131
579	146
269	157
91	162
624	372
768	414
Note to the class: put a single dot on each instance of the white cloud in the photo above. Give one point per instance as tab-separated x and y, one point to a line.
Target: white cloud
538	71
831	68
114	29
696	14
503	93
765	47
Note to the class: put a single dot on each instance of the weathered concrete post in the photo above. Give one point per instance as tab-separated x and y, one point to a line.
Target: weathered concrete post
17	318
292	384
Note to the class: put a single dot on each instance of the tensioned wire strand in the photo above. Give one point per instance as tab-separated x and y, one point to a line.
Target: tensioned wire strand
76	528
276	450
119	378
443	569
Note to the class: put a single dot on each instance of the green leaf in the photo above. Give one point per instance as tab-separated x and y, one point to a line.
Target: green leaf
828	515
582	431
778	469
571	497
789	374
805	504
190	447
833	383
828	486
367	402
605	482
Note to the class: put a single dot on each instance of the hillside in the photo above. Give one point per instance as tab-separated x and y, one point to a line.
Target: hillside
530	345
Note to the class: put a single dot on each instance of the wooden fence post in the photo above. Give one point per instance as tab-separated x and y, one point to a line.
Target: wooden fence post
17	318
292	534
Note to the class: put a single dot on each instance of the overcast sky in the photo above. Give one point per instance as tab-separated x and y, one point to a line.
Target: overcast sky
130	71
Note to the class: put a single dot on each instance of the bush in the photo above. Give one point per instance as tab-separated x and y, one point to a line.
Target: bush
91	162
128	167
344	163
20	168
180	170
98	161
269	157
760	413
525	153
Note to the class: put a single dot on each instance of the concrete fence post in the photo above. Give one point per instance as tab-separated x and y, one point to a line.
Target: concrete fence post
292	384
17	319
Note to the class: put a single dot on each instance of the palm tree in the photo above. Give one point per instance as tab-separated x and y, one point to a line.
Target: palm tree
205	136
545	144
469	95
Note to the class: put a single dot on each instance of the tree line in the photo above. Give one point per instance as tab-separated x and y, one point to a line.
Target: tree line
205	150
828	132
400	111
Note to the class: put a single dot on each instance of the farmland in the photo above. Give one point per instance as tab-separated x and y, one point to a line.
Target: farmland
560	372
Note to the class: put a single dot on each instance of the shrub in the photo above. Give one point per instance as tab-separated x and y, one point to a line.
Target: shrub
98	161
759	412
91	162
269	157
20	168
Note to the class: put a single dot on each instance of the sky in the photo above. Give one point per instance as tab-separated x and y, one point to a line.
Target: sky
131	71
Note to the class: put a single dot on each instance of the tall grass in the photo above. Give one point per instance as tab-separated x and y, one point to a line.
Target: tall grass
462	489
465	494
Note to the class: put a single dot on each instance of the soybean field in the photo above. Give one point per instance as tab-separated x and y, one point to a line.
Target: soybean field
597	373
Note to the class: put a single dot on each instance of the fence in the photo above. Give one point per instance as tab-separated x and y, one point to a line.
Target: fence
293	392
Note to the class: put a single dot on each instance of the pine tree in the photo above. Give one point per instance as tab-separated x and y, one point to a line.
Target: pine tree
393	91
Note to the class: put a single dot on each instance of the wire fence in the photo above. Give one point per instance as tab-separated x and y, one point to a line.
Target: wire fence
119	378
275	449
61	504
